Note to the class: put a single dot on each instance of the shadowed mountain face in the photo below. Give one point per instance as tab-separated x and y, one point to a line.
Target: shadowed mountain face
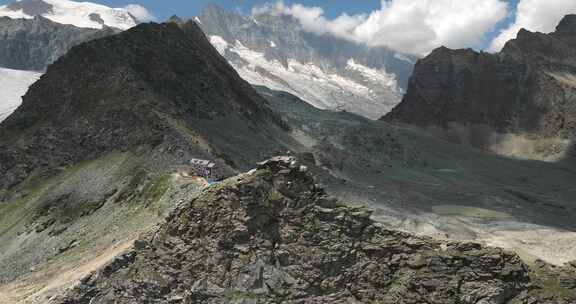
148	86
33	44
527	92
327	72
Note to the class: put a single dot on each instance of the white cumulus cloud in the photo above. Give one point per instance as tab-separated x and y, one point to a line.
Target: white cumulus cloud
535	15
408	26
312	19
140	12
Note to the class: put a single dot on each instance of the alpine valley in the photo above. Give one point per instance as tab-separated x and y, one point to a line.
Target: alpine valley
240	159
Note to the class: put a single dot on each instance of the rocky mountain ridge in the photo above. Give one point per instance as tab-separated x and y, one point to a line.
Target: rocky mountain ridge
419	183
527	90
272	236
90	159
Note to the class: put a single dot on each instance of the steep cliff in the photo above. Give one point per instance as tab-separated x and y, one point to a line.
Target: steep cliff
102	134
135	88
528	89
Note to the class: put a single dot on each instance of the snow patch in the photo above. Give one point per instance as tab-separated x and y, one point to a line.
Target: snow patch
219	43
403	58
375	76
272	44
14	85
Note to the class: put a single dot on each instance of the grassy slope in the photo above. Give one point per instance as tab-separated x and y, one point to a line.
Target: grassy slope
59	224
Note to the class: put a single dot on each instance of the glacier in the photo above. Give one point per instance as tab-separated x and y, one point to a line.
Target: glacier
14	85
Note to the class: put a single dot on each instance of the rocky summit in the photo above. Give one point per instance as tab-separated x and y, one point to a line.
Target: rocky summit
272	236
526	90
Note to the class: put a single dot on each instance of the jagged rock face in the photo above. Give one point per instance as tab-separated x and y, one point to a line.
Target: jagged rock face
156	85
460	86
272	236
33	44
327	72
528	88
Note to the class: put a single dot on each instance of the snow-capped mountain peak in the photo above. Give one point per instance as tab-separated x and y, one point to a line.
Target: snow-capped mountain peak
80	14
327	72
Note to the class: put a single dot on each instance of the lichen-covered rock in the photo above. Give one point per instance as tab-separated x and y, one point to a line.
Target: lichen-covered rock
263	237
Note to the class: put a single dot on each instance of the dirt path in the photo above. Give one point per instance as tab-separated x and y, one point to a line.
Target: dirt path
41	286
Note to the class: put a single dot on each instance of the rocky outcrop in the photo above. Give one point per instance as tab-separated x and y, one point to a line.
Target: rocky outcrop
159	87
33	44
272	236
527	88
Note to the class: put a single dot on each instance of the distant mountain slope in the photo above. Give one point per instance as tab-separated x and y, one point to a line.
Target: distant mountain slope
14	86
80	14
33	44
521	101
328	72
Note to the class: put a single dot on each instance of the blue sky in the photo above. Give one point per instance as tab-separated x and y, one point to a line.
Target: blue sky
166	8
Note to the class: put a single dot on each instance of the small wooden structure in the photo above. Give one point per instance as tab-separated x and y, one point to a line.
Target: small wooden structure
204	168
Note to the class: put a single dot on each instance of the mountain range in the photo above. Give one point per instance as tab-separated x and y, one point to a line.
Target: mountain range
330	73
99	202
266	49
167	98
